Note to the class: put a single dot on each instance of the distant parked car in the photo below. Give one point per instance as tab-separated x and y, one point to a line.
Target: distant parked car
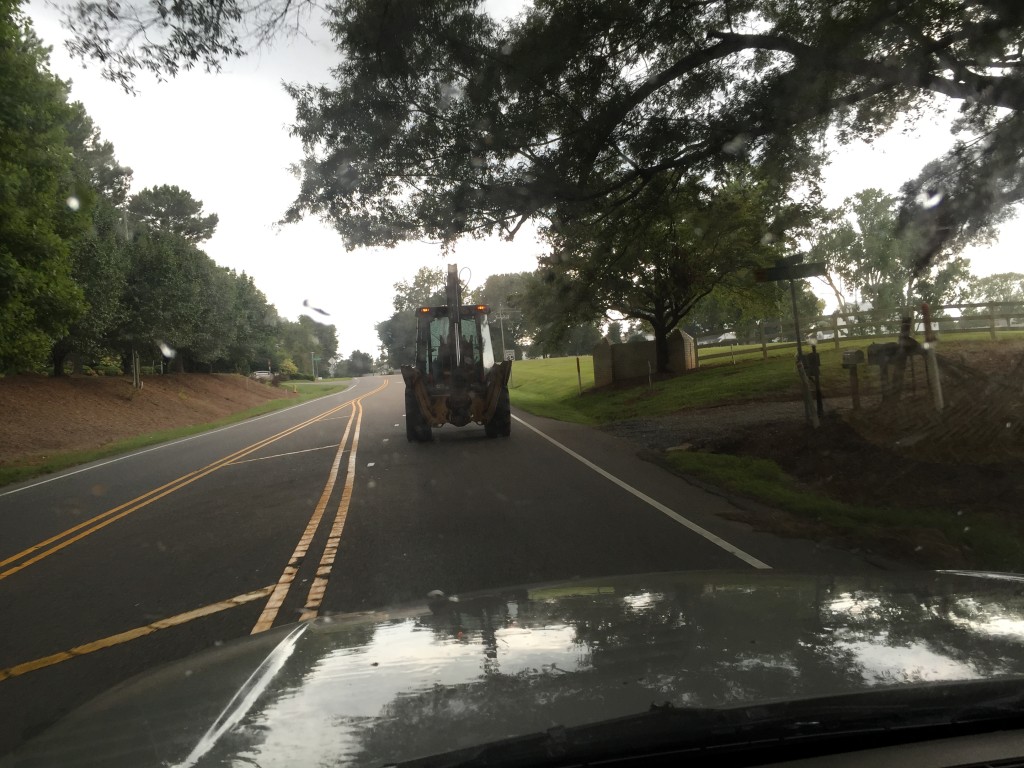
261	375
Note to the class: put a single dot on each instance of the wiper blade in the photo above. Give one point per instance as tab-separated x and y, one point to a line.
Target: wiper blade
666	728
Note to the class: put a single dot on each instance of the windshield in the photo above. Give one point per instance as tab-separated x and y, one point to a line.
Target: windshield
310	310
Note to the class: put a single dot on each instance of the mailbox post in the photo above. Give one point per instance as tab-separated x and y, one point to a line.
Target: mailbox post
851	359
792	269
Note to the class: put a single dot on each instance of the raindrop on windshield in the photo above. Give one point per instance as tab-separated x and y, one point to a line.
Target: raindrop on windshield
167	350
735	145
929	198
767	239
72	203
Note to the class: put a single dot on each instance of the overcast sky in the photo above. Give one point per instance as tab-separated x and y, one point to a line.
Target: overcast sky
224	138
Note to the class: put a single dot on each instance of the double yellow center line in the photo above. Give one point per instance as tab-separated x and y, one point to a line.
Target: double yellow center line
319	587
66	538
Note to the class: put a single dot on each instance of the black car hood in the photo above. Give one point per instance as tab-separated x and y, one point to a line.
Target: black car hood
382	688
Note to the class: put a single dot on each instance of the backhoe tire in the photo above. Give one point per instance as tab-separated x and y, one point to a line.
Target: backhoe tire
500	424
417	430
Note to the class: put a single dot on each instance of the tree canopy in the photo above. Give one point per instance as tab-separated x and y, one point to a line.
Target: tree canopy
42	207
654	258
865	246
170	209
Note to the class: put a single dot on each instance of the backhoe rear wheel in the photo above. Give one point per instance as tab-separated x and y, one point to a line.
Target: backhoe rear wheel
501	422
417	430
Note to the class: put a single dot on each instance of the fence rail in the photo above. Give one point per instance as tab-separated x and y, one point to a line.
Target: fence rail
995	318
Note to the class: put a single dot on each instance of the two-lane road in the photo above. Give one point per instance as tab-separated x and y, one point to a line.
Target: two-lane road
112	568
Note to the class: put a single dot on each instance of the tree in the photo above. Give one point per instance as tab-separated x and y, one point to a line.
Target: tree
99	256
397	334
305	339
750	309
100	264
444	121
40	212
868	249
1005	287
94	158
170	209
358	364
510	316
656	257
254	319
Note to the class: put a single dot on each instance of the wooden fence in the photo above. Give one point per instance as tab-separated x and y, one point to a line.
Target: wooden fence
995	318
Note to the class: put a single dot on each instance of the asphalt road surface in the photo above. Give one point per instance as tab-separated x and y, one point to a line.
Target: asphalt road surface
110	569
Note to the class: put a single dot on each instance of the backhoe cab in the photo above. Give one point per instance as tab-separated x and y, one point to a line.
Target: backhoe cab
455	379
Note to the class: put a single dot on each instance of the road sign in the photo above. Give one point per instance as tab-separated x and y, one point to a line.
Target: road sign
783	271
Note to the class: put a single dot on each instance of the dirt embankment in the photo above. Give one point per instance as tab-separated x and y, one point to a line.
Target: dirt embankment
43	416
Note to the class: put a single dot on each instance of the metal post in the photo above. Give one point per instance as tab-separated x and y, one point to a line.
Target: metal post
501	322
796	320
579	376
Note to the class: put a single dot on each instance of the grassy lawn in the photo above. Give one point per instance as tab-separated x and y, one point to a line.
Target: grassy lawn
549	388
306	390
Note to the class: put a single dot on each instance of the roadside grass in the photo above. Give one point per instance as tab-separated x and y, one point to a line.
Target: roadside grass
549	388
985	538
19	471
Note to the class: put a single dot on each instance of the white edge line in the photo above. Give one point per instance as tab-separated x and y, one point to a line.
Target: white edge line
748	559
281	455
172	442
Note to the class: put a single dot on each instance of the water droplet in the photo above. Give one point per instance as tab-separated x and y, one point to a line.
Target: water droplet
371	484
166	350
736	144
926	346
476	162
506	49
1009	424
918	548
929	198
767	239
370	463
348	177
386	439
967	528
959	513
73	203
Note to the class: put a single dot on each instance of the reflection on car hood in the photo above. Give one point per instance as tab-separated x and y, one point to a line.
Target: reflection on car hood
381	688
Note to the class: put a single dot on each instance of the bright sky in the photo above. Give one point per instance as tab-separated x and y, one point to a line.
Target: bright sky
224	138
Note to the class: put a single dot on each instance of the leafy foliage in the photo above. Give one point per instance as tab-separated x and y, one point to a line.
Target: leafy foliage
656	257
1003	287
40	210
866	247
170	209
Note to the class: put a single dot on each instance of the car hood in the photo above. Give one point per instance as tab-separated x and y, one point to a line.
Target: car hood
385	687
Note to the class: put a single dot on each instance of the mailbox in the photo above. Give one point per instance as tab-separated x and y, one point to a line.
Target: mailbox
852	358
